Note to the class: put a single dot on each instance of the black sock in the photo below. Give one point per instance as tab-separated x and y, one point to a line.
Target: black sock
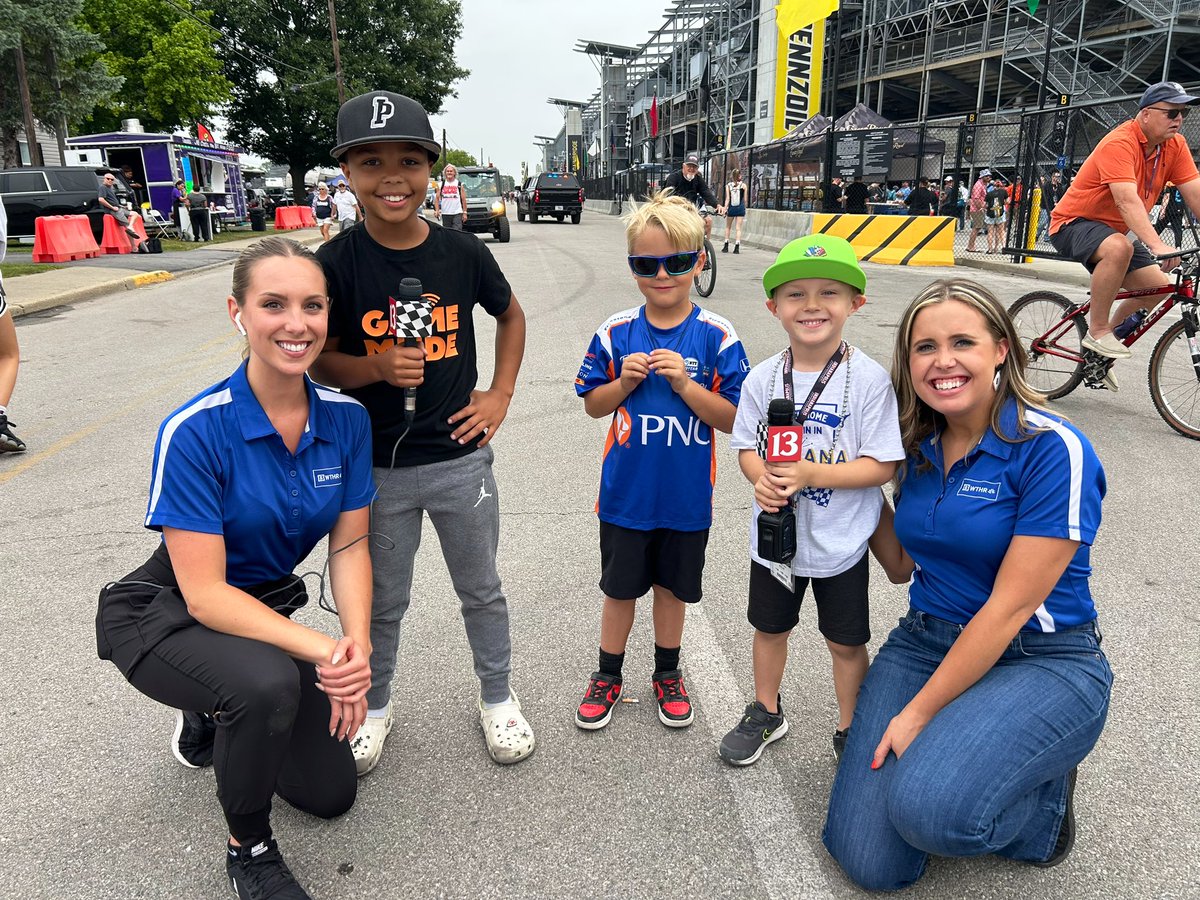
666	659
610	663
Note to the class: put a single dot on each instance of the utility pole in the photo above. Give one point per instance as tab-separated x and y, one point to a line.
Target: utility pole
337	55
35	151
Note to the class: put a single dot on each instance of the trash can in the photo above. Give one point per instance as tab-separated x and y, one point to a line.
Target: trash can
258	219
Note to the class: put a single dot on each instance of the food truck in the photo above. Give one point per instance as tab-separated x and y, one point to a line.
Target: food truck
159	160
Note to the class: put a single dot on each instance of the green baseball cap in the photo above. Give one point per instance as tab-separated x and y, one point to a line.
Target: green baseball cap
816	256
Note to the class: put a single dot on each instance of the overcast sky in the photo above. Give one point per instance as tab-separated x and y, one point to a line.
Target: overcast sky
521	52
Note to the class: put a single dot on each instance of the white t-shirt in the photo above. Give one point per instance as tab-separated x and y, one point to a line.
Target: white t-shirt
449	202
345	205
832	525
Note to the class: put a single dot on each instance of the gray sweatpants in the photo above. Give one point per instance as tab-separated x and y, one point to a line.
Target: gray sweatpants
460	497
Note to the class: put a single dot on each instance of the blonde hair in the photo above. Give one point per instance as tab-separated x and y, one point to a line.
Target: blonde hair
674	215
917	420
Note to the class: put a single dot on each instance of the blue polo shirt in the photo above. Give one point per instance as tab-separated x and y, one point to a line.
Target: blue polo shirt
220	467
958	528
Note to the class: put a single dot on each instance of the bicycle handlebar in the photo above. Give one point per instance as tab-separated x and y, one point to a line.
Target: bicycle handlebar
1177	254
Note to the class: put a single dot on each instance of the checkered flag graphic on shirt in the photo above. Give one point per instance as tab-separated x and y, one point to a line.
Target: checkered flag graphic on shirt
760	439
412	318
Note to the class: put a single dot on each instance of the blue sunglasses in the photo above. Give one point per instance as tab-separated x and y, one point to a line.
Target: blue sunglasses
676	264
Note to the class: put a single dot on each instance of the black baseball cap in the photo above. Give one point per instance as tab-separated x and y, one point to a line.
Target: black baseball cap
384	116
1166	92
691	160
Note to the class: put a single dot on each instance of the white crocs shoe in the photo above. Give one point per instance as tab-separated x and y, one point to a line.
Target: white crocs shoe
367	745
509	737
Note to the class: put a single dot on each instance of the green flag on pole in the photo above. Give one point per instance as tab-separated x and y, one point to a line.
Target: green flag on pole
1033	5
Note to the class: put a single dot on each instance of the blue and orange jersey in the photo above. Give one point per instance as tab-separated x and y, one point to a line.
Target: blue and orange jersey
659	459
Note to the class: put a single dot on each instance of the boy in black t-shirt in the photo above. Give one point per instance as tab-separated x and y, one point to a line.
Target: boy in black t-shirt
441	463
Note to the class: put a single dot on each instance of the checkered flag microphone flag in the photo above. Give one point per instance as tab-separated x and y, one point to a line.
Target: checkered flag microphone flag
410	314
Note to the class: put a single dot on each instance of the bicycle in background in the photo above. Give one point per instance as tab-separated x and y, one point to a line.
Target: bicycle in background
706	278
1052	329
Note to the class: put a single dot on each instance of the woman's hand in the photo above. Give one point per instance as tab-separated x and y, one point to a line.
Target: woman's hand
347	675
901	731
346	718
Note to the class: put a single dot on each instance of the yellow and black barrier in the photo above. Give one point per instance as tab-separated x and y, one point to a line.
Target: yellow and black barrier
893	240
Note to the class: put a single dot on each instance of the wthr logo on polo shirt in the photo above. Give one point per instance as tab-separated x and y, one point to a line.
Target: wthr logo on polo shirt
984	490
331	477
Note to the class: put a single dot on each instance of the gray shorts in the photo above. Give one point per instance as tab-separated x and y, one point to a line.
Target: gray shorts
453	221
1079	239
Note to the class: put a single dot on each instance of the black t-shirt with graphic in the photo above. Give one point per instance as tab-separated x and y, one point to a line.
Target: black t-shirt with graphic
994	201
457	271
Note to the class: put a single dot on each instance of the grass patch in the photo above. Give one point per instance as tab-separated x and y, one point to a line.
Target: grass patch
223	238
12	270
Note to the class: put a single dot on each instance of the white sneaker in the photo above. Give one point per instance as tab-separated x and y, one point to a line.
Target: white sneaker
367	745
509	737
1108	346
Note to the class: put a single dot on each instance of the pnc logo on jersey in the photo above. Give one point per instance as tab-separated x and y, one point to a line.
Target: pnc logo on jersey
622	426
686	432
324	478
382	109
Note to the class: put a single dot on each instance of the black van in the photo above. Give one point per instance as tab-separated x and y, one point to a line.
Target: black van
55	191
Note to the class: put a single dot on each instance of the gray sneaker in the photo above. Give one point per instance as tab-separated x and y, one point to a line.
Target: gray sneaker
745	743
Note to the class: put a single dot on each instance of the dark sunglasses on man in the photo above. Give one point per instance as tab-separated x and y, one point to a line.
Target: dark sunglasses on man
1172	113
676	264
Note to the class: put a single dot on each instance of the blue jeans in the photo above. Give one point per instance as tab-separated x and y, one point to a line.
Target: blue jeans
987	775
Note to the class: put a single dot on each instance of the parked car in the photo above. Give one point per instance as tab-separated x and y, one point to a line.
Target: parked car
31	192
557	194
486	212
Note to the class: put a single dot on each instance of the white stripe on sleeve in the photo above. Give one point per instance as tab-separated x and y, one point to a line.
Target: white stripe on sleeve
1075	455
220	398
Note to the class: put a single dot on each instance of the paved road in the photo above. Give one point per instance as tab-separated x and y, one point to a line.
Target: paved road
94	806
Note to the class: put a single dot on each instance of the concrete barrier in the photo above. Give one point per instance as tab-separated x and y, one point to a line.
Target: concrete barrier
606	207
893	240
770	229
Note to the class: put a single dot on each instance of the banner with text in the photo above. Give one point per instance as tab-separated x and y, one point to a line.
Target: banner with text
799	57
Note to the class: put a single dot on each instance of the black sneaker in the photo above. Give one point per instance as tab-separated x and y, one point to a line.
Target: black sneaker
1066	831
603	692
9	442
725	247
674	707
839	743
192	742
260	872
745	744
737	248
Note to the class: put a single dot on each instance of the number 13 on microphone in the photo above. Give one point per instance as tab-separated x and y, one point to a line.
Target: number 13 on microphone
784	443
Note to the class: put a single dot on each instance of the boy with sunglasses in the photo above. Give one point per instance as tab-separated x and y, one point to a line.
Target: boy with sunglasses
667	373
1111	196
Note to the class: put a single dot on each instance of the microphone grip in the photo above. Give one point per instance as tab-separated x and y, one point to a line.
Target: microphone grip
410	393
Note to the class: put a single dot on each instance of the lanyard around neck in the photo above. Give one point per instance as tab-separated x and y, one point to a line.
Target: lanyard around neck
823	379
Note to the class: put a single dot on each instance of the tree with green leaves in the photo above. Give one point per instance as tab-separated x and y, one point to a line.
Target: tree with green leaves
453	157
164	52
65	80
278	54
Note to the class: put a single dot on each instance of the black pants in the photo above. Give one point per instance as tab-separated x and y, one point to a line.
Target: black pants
272	722
201	224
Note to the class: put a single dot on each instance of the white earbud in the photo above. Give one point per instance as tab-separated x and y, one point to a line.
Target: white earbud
237	320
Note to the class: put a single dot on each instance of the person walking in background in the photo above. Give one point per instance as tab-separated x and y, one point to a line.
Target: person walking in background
975	207
200	216
450	200
1052	191
979	708
735	210
10	353
322	207
995	213
922	201
346	206
204	625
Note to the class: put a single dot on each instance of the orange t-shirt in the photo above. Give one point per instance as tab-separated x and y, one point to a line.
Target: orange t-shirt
1121	157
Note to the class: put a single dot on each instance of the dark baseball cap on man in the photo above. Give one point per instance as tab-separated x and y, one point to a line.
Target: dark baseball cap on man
383	116
691	160
1166	92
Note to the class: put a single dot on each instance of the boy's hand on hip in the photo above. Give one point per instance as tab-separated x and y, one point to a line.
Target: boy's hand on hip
670	366
634	369
482	415
401	366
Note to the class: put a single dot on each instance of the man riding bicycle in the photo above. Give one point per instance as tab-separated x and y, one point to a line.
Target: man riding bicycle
1111	195
689	183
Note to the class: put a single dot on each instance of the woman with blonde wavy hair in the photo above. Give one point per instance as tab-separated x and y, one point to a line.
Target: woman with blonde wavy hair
981	704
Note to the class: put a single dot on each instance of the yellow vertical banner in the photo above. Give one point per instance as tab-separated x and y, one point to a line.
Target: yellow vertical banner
799	57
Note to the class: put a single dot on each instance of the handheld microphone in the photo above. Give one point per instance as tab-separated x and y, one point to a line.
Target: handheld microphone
409	315
777	530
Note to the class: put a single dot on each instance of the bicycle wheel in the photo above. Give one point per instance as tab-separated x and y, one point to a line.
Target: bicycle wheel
706	278
1174	382
1051	340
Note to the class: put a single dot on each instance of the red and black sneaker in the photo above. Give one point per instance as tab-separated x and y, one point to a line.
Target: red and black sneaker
674	707
603	692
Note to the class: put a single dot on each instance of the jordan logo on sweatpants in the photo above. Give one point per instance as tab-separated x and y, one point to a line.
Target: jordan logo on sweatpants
483	494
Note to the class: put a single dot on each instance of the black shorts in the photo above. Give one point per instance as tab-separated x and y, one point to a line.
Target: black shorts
632	561
1079	239
842	615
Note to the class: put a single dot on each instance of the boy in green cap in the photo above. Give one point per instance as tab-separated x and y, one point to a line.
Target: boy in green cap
851	446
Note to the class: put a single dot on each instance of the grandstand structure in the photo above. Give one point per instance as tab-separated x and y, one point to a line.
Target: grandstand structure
709	70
